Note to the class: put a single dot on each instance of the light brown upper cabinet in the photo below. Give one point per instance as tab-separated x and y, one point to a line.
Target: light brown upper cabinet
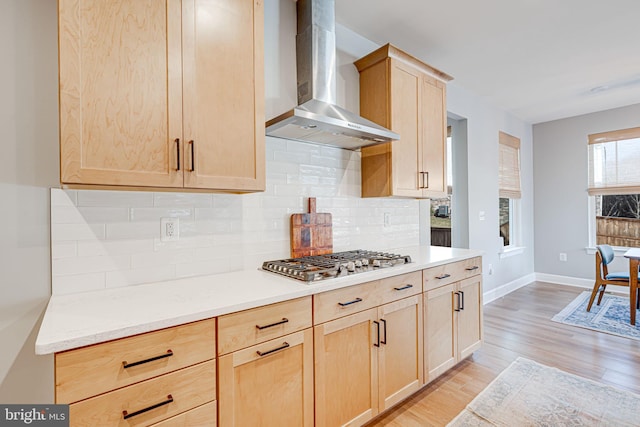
162	94
409	97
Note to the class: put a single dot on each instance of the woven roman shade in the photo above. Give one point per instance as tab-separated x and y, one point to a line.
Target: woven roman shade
614	162
509	166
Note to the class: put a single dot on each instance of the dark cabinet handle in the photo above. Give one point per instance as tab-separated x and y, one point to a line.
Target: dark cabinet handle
193	156
459	301
284	320
421	184
282	347
384	330
426	174
344	304
402	288
377	343
126	365
444	276
475	267
177	141
127	415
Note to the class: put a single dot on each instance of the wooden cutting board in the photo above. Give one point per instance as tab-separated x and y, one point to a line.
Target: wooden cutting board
311	233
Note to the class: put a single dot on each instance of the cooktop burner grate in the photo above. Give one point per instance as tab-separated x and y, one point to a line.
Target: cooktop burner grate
338	264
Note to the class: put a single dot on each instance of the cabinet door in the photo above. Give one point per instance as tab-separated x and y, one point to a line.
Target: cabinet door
346	364
406	110
120	92
270	384
439	331
400	355
470	317
434	137
224	94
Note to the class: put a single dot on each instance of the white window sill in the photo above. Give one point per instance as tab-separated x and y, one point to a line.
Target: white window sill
510	251
617	250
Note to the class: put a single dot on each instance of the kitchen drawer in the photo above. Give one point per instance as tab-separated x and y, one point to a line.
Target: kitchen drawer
88	371
202	416
342	302
398	287
149	401
246	328
448	273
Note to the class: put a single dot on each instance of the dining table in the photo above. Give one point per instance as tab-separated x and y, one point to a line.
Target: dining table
634	260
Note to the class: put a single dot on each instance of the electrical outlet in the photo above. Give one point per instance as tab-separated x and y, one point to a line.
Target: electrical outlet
387	219
563	256
169	229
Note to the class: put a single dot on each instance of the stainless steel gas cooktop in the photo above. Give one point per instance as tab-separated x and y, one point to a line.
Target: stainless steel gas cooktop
338	264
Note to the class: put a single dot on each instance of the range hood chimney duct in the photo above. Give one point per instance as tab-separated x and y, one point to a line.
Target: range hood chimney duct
317	118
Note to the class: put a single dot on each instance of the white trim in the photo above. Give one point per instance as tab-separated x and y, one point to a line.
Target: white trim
617	250
509	251
565	280
507	288
575	281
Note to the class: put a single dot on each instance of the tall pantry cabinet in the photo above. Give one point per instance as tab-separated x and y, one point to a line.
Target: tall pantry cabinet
409	97
162	93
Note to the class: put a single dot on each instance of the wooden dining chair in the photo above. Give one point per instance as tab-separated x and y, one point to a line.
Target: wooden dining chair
604	256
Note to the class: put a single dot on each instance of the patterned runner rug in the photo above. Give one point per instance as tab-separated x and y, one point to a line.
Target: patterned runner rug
611	316
530	394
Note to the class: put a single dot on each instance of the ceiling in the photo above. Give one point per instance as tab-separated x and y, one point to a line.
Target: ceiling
541	60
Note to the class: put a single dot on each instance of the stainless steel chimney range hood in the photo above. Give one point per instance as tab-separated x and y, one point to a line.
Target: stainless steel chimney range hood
317	119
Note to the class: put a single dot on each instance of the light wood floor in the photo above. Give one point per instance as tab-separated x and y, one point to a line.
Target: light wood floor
519	324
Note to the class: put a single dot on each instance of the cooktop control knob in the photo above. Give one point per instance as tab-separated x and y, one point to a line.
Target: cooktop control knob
358	263
351	266
376	263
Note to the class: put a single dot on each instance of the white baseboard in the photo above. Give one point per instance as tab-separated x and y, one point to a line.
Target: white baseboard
503	290
565	280
576	281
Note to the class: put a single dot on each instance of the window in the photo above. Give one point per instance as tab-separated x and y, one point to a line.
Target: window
614	187
441	207
509	188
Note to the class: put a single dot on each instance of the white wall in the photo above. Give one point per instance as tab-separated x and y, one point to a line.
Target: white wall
28	119
560	176
484	121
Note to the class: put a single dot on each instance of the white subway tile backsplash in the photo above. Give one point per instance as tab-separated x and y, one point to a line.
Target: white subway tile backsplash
63	197
110	199
74	283
155	214
64	249
133	230
120	278
92	264
172	200
73	232
112	238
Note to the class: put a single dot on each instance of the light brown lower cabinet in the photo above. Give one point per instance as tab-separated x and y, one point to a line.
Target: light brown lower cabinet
453	324
269	384
367	361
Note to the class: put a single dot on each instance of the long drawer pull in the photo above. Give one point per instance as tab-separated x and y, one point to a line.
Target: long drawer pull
475	267
284	320
344	304
177	141
444	276
282	347
403	288
126	365
127	415
193	156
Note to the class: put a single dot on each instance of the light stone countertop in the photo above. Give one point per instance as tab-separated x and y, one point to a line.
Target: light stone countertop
86	318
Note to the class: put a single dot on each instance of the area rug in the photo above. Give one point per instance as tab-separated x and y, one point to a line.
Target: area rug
530	394
611	316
